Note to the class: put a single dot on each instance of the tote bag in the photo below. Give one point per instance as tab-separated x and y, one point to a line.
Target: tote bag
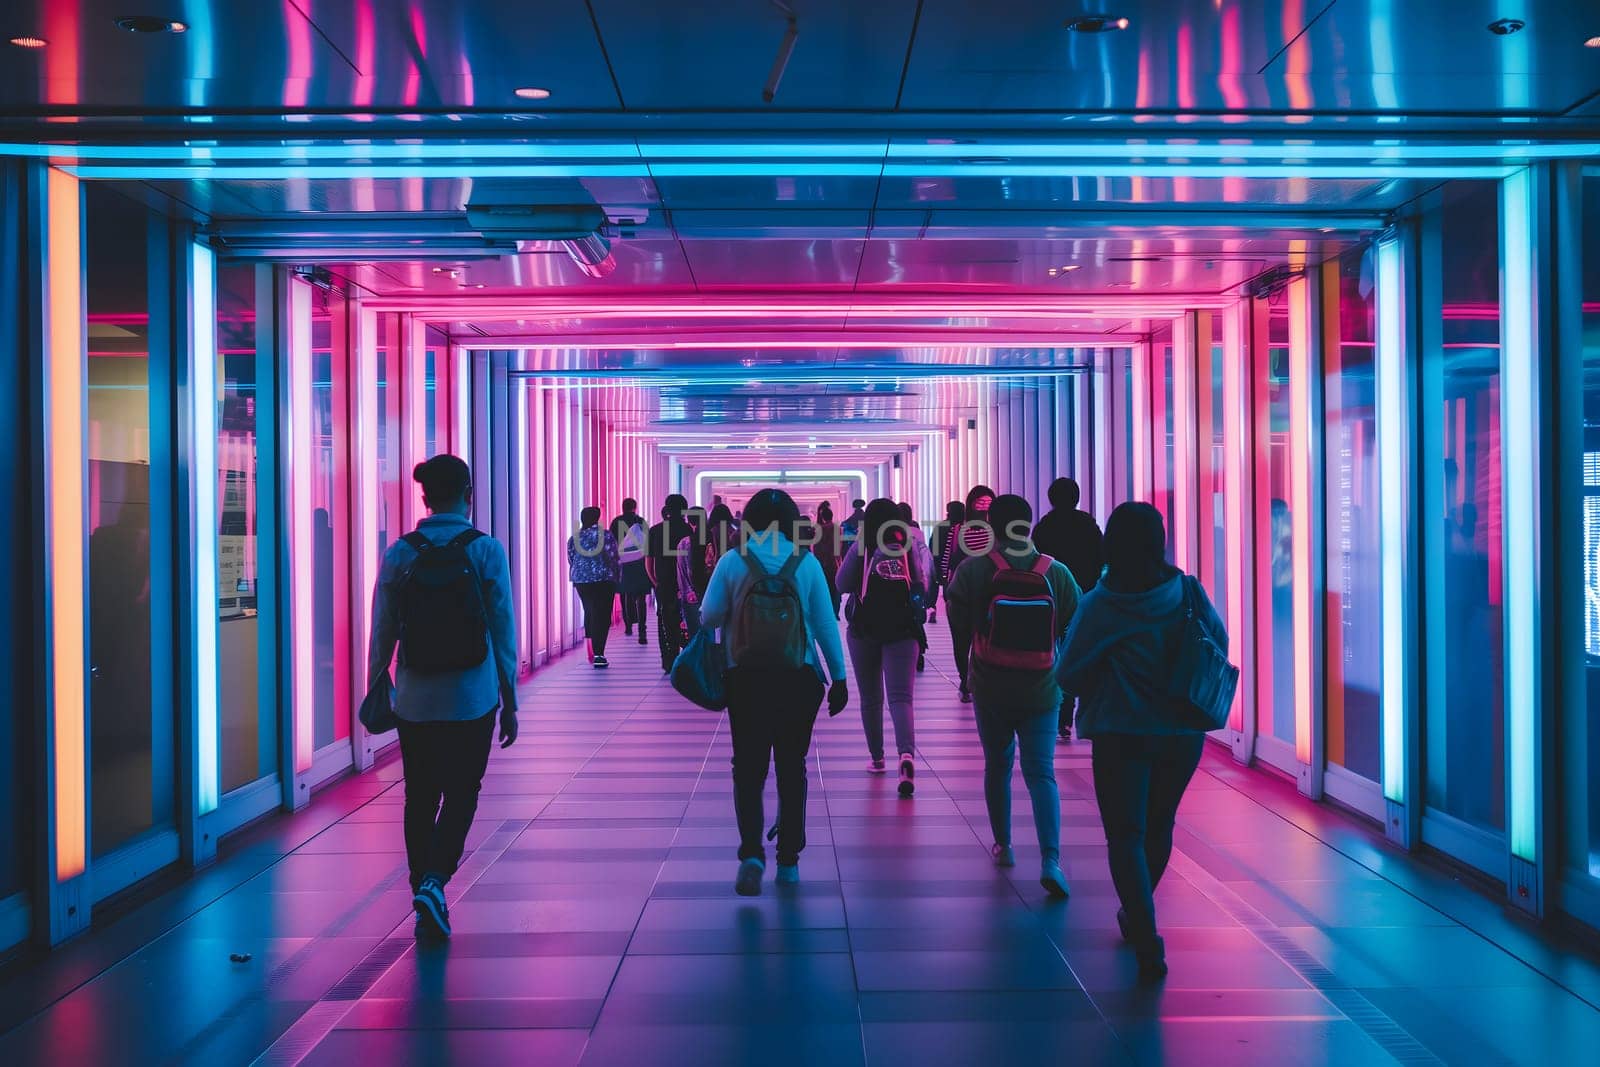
697	672
377	709
1202	681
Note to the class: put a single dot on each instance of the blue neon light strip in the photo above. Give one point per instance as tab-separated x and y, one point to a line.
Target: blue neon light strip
1519	421
734	169
1152	154
203	420
1390	357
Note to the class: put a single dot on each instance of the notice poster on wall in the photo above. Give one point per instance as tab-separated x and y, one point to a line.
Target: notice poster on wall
230	575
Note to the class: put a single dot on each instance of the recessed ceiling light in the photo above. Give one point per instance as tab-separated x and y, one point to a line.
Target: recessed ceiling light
29	42
1593	42
1506	27
529	92
1097	23
150	24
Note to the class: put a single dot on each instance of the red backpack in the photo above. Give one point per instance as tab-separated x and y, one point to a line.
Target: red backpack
1018	631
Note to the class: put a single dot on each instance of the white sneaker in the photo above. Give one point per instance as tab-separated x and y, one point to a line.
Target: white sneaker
877	766
788	875
1003	856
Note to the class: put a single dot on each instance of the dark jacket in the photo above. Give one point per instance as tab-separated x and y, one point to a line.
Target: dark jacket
1117	654
1020	694
1074	538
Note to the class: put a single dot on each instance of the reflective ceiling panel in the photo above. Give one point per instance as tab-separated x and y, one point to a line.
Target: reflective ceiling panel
773	263
848	54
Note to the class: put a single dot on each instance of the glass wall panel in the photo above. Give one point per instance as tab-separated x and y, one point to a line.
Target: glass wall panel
390	354
1465	720
1352	625
1583	756
1161	420
1274	532
249	729
330	524
16	583
1214	490
436	394
131	740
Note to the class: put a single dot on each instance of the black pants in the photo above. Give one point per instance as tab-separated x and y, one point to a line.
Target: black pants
442	760
597	597
963	647
771	714
1138	782
670	618
633	610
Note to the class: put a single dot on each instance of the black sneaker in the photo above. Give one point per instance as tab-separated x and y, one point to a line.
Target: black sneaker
966	695
433	915
601	663
908	775
922	663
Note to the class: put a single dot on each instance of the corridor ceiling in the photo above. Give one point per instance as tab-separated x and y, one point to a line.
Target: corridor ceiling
934	183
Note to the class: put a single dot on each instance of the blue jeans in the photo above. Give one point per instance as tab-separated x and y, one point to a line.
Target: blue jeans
1001	732
888	667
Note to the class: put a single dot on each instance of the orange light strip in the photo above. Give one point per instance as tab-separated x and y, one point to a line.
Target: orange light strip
66	503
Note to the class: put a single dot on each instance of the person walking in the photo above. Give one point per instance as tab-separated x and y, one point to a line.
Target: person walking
443	596
593	568
922	556
1116	659
884	576
771	603
633	588
827	549
693	574
1012	608
955	513
851	527
661	566
974	538
1073	537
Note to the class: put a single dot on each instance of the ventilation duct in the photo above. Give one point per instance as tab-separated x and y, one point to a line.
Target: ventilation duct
576	227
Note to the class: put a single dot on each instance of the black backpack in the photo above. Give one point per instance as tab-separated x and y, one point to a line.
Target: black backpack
443	624
883	610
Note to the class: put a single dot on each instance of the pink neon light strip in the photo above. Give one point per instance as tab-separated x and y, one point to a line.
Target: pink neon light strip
302	546
1299	467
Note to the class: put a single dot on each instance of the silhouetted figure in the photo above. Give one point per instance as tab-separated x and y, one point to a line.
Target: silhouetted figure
457	667
1073	537
594	571
827	549
661	563
1117	658
633	588
693	573
955	513
973	538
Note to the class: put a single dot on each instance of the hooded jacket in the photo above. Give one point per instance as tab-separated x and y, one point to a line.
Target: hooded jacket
1117	655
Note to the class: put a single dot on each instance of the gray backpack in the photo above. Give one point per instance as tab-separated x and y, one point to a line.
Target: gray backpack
768	630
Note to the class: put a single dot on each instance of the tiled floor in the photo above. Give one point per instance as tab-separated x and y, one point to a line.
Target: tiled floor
596	924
